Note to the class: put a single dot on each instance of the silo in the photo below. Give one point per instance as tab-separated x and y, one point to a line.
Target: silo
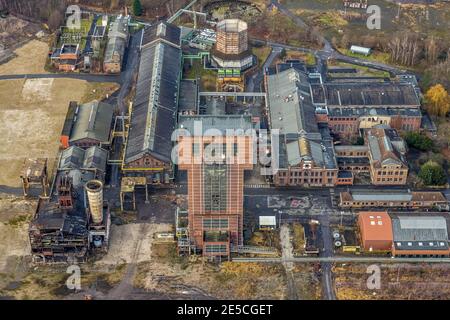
232	36
231	50
94	190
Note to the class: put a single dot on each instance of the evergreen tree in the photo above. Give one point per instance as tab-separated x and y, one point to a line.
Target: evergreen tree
137	7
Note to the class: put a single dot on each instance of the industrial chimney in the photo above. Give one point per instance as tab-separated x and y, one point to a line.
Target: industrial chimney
94	190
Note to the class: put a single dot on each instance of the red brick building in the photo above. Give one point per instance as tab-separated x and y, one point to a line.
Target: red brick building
215	168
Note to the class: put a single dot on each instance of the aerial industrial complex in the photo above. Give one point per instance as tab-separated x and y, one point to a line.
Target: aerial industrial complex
315	119
232	149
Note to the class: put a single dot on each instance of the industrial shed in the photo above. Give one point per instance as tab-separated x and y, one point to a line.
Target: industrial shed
360	50
420	236
89	124
118	37
375	230
92	159
369	94
155	107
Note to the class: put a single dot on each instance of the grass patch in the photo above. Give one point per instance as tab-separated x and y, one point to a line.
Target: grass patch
309	58
19	220
330	20
375	56
99	91
261	53
207	77
361	71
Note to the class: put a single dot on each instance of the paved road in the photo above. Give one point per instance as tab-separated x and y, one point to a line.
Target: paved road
345	259
328	52
326	252
254	82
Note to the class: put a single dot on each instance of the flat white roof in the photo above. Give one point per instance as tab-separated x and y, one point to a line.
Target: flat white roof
267	221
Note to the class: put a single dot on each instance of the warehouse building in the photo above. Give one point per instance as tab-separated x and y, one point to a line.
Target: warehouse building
375	230
306	149
118	37
87	125
155	107
348	107
420	236
393	199
387	165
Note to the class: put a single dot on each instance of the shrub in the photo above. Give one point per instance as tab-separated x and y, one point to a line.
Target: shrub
419	141
432	174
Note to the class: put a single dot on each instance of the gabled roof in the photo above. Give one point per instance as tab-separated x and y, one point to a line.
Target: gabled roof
290	106
77	158
304	149
92	121
381	149
117	38
162	31
155	107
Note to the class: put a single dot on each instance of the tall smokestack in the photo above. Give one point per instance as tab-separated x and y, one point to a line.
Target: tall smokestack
94	190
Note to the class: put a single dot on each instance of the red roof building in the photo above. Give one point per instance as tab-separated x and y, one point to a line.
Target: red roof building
376	231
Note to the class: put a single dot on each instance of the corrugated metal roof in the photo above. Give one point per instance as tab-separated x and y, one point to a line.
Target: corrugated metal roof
165	31
220	123
117	38
369	94
155	106
93	121
420	233
290	105
77	158
381	196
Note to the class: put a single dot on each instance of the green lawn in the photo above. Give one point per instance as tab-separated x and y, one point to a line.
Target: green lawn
375	56
71	35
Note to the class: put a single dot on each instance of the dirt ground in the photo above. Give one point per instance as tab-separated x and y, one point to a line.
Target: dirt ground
32	114
14	32
30	59
397	282
124	240
14	244
228	281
